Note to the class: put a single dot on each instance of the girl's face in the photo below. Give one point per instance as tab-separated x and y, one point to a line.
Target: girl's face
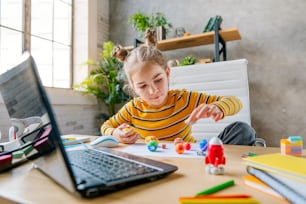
151	83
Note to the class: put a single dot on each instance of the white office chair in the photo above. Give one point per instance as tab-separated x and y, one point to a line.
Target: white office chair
219	78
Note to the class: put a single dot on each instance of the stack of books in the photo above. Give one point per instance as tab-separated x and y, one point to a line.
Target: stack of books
279	175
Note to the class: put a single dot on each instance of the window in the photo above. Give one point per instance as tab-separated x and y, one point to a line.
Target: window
49	23
11	32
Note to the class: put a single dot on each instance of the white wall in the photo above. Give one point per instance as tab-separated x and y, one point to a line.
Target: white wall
91	30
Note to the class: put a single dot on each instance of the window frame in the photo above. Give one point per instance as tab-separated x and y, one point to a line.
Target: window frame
26	38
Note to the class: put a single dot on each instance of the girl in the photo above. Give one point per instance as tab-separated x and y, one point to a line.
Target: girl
167	114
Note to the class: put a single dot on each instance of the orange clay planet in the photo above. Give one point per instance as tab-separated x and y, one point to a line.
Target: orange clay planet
150	138
178	140
128	129
179	148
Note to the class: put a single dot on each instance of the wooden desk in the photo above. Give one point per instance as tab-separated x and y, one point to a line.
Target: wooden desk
28	185
206	38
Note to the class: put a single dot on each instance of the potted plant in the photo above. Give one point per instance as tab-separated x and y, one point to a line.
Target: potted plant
105	81
189	60
140	22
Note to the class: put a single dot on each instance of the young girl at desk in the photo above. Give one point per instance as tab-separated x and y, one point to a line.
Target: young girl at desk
167	114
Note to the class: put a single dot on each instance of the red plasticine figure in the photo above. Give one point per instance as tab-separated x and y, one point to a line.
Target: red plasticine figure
215	156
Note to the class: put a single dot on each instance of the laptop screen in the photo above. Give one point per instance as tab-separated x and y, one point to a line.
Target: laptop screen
35	131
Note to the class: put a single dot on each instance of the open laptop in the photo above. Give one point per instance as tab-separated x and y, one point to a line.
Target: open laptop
25	97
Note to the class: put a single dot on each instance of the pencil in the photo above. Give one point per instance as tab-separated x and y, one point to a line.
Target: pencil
196	200
69	138
216	188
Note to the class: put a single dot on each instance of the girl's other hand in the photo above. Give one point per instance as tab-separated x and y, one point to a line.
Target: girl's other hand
205	111
126	134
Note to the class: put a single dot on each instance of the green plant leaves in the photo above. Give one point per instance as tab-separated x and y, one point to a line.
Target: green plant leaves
141	21
103	81
189	60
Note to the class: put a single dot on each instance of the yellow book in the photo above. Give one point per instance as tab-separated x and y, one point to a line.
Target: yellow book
284	165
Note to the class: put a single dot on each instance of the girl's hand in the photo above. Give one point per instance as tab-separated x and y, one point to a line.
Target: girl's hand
205	111
126	134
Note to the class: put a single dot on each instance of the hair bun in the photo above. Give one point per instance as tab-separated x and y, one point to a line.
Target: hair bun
150	37
120	53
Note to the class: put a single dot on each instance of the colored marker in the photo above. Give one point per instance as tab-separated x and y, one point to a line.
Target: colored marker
225	196
196	200
251	154
216	188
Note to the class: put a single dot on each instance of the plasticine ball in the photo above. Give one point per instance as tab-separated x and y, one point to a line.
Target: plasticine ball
128	129
163	146
153	137
152	146
149	138
178	140
179	148
203	145
187	146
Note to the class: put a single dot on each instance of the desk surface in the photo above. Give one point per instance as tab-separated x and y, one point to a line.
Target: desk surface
28	185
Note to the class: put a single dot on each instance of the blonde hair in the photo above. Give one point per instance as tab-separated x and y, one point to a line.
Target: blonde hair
141	54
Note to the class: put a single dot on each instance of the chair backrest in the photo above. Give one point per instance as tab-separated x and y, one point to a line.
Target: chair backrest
219	78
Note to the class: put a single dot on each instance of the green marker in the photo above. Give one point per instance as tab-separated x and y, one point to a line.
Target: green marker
216	188
250	154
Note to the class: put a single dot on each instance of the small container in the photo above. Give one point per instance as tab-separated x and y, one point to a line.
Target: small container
179	32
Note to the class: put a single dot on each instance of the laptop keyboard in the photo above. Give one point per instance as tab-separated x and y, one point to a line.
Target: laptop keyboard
108	168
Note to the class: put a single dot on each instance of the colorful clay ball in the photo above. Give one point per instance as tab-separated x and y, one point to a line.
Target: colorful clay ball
152	146
203	145
187	146
150	138
179	148
178	140
128	129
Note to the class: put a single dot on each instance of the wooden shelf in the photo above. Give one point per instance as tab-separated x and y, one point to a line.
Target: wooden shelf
198	39
206	38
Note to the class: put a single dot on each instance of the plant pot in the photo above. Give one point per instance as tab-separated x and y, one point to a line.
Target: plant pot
160	33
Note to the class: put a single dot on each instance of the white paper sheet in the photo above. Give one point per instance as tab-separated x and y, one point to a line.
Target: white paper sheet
142	150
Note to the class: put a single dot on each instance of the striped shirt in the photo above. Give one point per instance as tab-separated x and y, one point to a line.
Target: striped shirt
168	121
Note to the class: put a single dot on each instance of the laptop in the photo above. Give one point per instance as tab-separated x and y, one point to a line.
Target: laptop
87	172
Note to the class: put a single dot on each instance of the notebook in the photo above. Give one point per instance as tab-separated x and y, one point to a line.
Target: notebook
289	166
25	98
